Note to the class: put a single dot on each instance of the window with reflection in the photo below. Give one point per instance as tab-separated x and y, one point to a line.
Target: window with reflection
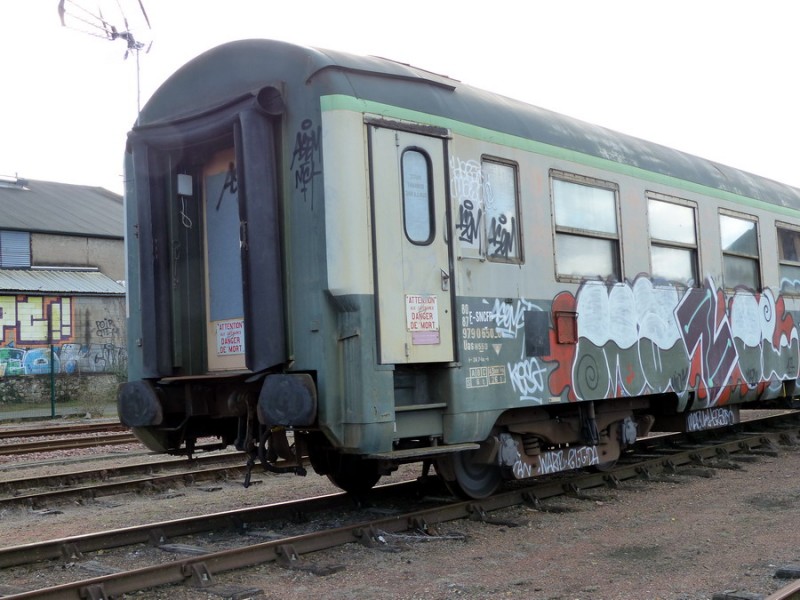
587	234
501	202
673	240
740	258
789	258
417	199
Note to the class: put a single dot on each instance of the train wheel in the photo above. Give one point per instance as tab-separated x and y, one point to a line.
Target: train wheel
466	478
353	474
605	466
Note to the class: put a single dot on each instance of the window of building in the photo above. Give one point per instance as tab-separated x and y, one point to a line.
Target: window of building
740	258
417	199
501	202
587	234
15	249
789	258
673	239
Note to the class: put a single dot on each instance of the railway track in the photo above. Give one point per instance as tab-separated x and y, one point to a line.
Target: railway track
93	483
49	430
421	514
55	438
72	443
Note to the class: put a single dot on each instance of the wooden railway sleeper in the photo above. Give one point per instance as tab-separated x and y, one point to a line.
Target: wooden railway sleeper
747	448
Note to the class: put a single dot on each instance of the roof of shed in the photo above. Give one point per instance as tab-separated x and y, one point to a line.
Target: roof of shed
57	281
61	208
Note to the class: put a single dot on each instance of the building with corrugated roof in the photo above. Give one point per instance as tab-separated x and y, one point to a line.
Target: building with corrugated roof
62	271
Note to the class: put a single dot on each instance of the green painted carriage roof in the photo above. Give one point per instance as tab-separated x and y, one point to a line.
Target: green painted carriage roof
379	85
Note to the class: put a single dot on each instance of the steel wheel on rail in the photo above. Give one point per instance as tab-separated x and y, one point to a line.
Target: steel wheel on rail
467	478
351	473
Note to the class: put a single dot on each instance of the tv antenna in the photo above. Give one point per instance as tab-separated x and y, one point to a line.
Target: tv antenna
74	16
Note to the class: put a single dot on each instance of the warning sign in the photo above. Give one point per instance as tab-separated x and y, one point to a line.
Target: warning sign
230	337
422	318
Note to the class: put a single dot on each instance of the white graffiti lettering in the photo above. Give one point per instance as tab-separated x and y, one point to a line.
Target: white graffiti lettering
567	459
510	318
522	470
710	418
527	378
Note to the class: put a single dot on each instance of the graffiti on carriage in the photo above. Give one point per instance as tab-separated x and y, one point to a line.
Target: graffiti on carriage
638	338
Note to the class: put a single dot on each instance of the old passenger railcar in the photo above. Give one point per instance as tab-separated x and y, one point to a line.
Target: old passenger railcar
395	266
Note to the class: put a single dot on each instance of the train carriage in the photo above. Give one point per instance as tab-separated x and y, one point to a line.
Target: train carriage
362	263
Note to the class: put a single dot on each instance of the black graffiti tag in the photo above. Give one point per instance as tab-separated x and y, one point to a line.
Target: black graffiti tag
467	222
501	236
106	328
230	183
305	155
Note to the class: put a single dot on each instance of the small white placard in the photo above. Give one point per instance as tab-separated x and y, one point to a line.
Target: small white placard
230	337
422	318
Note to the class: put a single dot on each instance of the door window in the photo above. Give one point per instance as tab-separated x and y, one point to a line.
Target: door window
417	201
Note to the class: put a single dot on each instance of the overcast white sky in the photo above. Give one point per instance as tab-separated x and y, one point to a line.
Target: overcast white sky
716	78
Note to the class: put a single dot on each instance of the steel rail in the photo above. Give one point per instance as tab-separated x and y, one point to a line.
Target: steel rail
290	549
789	592
106	473
60	430
67	444
160	532
108	488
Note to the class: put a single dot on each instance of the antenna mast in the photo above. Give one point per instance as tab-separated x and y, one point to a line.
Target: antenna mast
96	25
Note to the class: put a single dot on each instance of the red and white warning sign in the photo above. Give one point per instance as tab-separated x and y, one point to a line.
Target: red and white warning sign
422	318
230	337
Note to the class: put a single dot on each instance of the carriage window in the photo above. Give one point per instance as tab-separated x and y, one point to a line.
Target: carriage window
587	238
740	262
417	201
789	258
500	200
673	241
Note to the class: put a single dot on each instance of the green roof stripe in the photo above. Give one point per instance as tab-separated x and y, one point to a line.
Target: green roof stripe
344	102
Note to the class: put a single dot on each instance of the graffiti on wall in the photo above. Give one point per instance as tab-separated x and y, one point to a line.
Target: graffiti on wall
32	324
640	338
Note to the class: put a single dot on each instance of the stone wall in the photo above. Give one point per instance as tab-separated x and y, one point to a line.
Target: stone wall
87	393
